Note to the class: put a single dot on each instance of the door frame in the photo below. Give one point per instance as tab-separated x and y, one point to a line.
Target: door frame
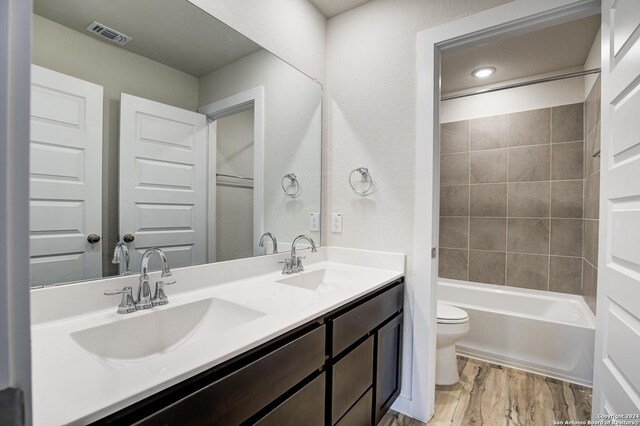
513	18
239	102
15	90
212	158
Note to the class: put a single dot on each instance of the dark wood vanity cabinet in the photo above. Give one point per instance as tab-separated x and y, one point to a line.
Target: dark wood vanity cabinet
366	358
388	366
341	369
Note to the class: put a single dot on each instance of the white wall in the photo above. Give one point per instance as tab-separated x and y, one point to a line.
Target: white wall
15	83
370	103
543	95
593	61
119	71
292	29
292	135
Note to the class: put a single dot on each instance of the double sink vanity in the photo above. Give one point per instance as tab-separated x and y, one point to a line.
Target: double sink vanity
238	342
205	155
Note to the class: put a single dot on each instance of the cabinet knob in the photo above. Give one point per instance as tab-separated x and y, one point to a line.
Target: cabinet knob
128	238
93	238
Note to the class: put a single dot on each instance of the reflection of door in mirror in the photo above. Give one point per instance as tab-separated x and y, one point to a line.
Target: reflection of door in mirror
191	62
163	180
236	170
65	178
234	238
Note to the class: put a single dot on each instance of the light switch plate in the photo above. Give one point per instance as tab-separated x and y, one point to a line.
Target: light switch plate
336	222
314	222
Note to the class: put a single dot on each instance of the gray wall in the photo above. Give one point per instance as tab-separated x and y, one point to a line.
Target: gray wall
234	198
591	196
293	105
511	199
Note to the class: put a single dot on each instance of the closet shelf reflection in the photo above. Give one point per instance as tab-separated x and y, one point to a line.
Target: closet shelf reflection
245	182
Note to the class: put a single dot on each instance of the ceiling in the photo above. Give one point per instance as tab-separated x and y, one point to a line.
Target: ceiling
331	8
173	32
538	52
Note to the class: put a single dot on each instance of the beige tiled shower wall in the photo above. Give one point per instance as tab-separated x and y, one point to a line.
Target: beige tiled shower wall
511	199
591	196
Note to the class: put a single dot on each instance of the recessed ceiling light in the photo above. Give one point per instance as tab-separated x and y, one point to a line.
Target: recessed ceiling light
483	72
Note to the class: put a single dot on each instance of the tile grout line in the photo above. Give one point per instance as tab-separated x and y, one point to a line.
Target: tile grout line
469	212
550	176
514	182
521	217
506	233
507	147
515	252
584	186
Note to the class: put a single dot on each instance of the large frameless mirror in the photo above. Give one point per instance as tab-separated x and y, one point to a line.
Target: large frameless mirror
153	124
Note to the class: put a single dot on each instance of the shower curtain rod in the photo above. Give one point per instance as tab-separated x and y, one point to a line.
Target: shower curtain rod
523	83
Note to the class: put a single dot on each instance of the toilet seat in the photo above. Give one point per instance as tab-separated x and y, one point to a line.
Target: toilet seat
448	314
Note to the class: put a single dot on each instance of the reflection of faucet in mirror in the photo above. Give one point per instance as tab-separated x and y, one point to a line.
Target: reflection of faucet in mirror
244	179
294	264
121	258
145	301
273	240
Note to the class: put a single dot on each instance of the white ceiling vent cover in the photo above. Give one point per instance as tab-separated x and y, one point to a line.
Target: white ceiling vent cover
108	33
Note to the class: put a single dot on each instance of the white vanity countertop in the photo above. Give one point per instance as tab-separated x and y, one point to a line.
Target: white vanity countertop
74	386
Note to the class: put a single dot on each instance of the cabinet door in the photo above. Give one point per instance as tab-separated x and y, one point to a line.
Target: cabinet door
389	366
305	407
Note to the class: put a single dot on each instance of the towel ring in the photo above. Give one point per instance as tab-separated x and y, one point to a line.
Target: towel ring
366	176
294	182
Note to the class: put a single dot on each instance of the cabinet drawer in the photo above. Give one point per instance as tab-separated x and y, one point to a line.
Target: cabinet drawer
352	375
352	325
305	407
236	397
360	414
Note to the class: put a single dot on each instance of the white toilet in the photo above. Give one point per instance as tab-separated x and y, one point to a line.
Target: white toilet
453	325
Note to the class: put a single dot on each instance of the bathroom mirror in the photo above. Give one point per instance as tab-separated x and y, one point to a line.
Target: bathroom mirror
153	124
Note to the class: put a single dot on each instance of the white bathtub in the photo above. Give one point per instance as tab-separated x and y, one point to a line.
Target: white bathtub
541	332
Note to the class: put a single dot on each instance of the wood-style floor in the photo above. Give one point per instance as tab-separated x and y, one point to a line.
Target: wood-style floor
492	395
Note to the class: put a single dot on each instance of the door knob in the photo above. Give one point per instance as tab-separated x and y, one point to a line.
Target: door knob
93	238
128	238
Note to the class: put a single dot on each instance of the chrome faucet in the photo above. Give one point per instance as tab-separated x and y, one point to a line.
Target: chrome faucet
273	240
121	258
145	301
294	264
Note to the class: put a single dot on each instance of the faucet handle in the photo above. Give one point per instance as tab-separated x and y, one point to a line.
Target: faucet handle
299	264
127	305
286	268
159	297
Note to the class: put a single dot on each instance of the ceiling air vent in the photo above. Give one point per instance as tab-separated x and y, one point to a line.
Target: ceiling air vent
108	33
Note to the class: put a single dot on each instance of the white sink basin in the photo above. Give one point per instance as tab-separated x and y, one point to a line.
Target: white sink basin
143	334
321	279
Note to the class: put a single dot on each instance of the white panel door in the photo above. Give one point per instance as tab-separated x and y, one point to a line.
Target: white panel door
65	177
617	371
163	180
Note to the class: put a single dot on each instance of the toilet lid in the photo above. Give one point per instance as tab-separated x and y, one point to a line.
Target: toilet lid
448	314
